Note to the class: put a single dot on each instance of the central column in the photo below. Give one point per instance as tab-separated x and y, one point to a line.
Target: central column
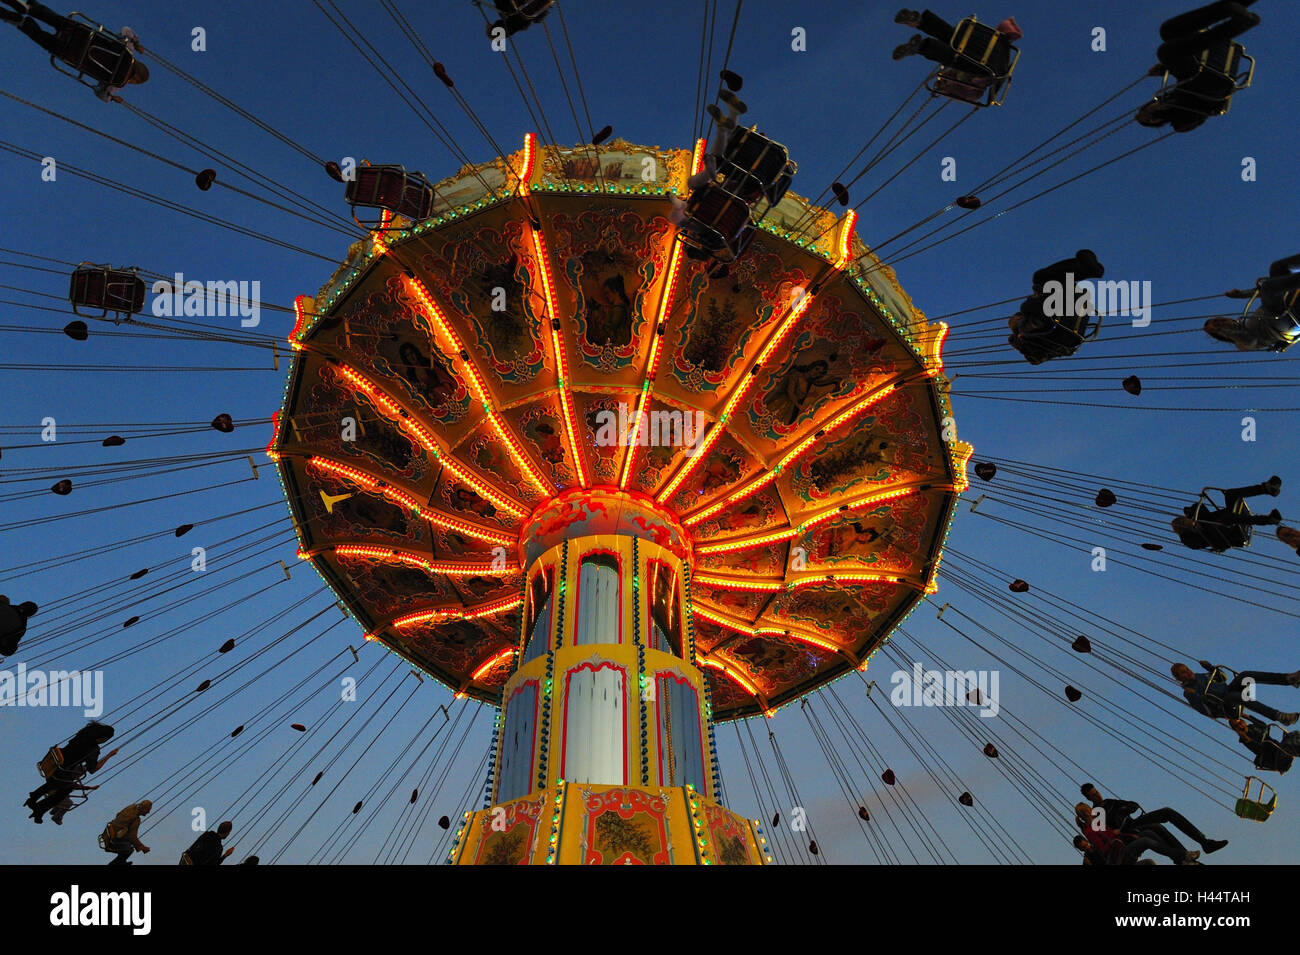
603	753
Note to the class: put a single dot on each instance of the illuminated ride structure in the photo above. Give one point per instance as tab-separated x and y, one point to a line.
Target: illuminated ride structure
550	460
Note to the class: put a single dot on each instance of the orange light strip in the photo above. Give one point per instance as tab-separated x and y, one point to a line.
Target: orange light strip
425	438
743	543
490	662
466	613
412	559
748	631
961	455
443	326
561	361
530	157
783	330
271	452
300	319
769	476
652	364
364	480
738	677
739	583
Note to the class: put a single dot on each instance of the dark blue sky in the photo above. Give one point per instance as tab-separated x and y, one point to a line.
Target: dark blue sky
1176	214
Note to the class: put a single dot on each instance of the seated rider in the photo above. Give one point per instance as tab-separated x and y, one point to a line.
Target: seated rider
13	624
1051	284
1191	41
80	756
1207	531
1220	698
122	835
108	60
1272	755
1127	817
937	44
206	849
1276	323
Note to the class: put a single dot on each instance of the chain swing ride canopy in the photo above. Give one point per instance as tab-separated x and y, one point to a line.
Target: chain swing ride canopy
542	335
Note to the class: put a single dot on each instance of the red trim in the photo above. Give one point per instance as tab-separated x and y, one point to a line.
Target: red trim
532	756
577	591
564	731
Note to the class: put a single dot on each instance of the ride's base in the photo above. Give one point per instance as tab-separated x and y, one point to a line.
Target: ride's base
588	824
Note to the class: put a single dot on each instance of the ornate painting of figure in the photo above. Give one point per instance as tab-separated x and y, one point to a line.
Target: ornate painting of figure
506	330
714	334
426	374
861	449
609	311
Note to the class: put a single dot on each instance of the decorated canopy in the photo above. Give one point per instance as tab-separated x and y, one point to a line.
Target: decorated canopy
459	383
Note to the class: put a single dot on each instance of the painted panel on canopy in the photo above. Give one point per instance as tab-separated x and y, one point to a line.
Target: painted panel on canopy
728	465
890	537
609	261
603	427
320	420
727	695
760	511
457	498
775	663
481	272
484	451
723	322
358	516
769	560
540	427
383	333
838	354
893	443
389	588
621	164
456	646
743	605
849	612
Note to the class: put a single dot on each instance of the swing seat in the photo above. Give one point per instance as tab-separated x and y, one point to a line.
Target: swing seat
1273	757
715	222
1061	340
1223	71
1216	523
51	763
91	54
1258	808
975	44
390	188
1291	317
106	289
753	165
517	15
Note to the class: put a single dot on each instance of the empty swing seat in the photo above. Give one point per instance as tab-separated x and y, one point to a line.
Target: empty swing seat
1258	808
105	289
391	188
752	165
